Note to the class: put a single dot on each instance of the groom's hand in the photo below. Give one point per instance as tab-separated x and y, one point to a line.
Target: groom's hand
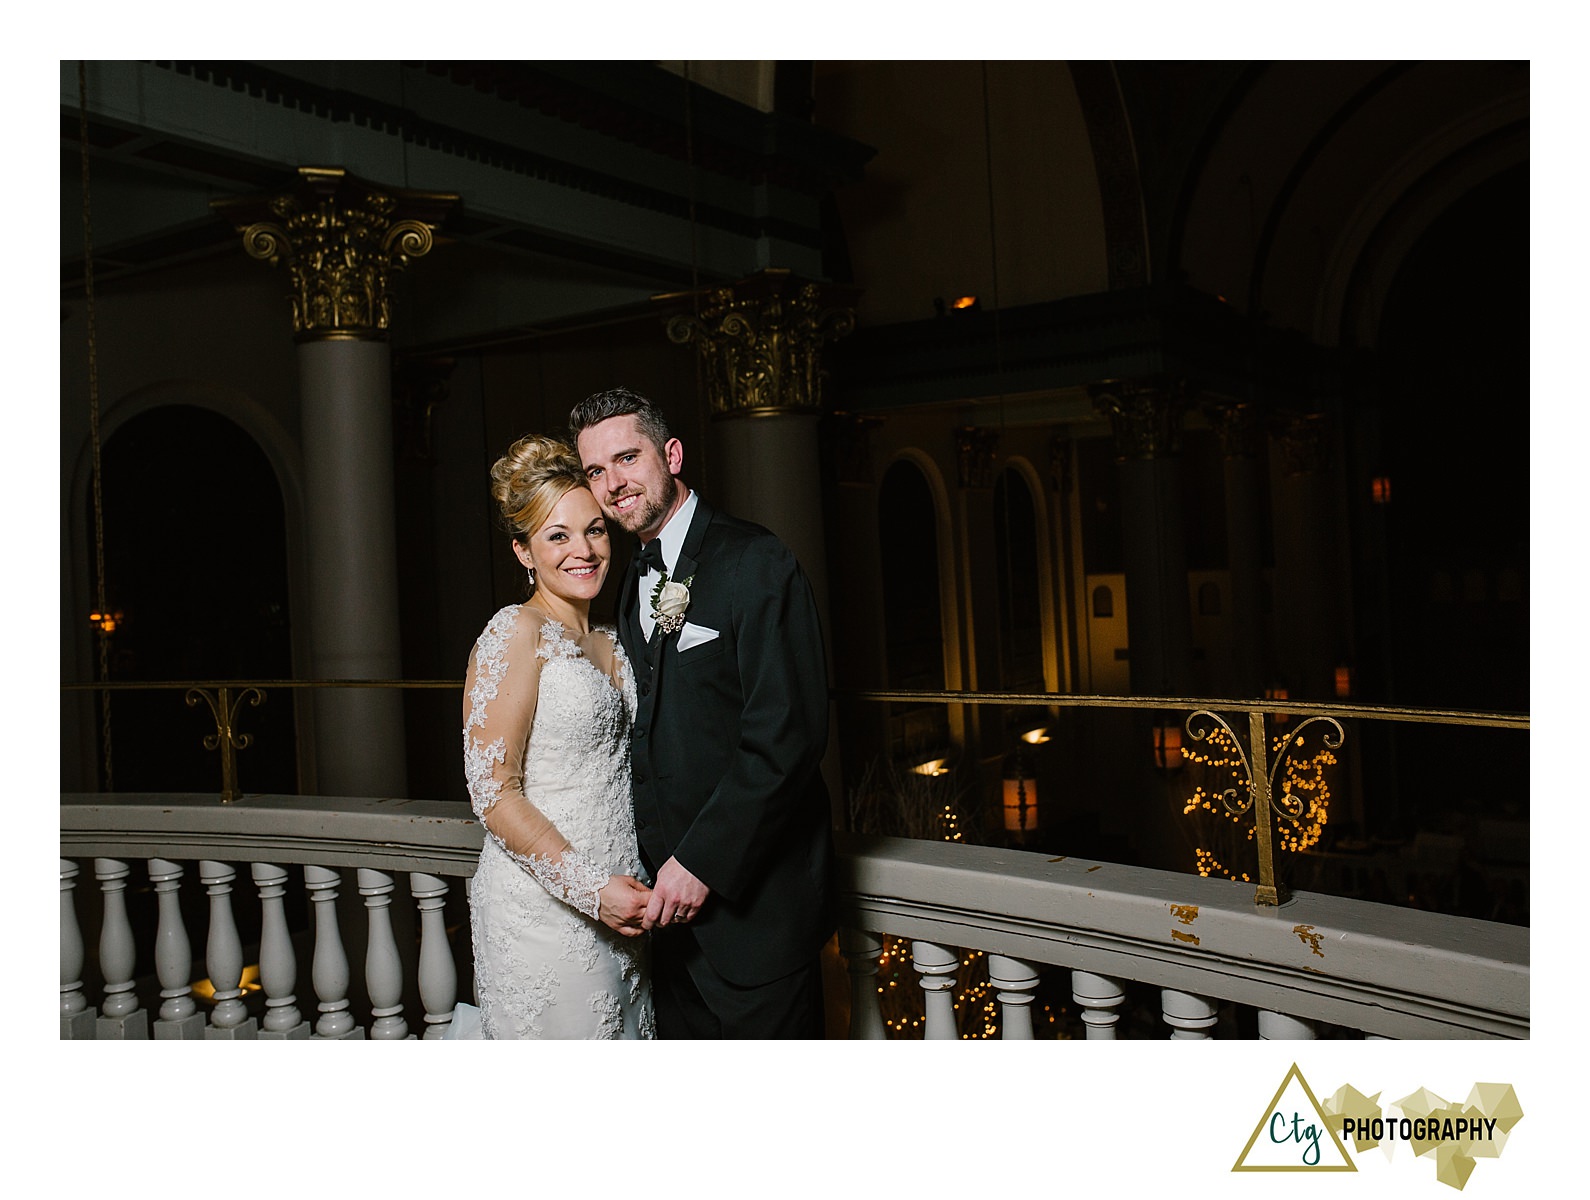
621	904
676	896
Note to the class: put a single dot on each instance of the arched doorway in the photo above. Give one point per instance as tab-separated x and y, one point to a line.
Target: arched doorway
913	625
196	563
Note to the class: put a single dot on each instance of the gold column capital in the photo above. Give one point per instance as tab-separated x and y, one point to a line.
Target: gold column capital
975	448
1145	415
341	239
759	341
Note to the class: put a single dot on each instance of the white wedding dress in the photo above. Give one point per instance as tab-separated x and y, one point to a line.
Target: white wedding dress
546	756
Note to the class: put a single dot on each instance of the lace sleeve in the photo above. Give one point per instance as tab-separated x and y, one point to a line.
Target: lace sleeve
499	708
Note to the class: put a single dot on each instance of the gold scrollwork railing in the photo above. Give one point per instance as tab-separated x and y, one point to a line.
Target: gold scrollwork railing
1261	772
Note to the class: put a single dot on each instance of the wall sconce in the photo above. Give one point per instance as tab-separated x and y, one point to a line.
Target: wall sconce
1380	489
1021	794
1036	737
1167	743
933	768
106	622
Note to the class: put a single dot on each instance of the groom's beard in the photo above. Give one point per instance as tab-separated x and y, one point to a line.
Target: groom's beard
647	514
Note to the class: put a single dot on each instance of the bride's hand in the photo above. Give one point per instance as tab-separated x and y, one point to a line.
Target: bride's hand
622	904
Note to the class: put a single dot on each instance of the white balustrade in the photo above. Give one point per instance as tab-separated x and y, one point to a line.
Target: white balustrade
862	951
937	966
1014	983
180	1019
383	970
1279	1027
120	1017
77	1018
278	964
1189	1016
438	974
329	970
223	958
1100	998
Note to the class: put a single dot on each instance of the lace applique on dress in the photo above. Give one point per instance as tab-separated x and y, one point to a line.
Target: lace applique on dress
559	792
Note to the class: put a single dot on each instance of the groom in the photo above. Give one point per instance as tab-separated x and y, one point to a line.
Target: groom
732	815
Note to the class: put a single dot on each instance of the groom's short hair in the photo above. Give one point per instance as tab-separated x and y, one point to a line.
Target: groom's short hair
620	402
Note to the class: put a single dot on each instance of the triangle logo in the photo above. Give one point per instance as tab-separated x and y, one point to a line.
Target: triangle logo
1293	1134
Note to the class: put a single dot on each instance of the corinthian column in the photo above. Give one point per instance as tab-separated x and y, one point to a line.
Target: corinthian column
759	341
1146	420
341	241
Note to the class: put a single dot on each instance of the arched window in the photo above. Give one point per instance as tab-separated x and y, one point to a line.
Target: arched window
196	563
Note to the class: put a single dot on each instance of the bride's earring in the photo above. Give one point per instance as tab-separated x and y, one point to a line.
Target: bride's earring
531	572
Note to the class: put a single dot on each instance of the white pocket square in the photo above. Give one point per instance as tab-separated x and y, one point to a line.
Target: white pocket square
695	635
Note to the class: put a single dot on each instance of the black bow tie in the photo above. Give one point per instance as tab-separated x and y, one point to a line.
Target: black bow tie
651	557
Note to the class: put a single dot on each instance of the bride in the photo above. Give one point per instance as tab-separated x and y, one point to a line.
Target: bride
555	905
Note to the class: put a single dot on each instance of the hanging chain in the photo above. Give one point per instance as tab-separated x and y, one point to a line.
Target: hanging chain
93	425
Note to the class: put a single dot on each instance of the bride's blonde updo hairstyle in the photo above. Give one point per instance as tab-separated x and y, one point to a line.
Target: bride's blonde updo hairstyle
528	481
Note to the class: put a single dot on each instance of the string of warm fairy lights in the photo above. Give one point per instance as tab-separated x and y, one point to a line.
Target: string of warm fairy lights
1303	802
974	991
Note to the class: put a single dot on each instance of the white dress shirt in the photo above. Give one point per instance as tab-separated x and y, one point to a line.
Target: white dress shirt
673	540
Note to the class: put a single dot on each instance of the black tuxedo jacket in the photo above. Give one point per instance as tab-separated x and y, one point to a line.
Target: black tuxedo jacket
729	735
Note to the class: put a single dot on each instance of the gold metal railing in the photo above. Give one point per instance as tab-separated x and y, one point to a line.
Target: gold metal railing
1205	720
225	698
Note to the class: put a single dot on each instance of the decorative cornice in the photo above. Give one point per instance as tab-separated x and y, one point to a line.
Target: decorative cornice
1145	416
341	240
759	341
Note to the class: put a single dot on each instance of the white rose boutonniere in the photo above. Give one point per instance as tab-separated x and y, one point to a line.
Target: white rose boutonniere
669	602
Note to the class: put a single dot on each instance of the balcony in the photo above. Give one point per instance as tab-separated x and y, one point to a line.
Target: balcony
384	951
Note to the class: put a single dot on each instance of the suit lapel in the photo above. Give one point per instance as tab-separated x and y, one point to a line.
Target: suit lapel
685	567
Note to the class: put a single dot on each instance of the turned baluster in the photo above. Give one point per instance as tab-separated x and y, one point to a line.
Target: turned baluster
862	949
1100	998
1189	1016
278	964
120	1018
1281	1027
383	971
180	1019
438	973
328	972
77	1018
223	958
1014	983
937	965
